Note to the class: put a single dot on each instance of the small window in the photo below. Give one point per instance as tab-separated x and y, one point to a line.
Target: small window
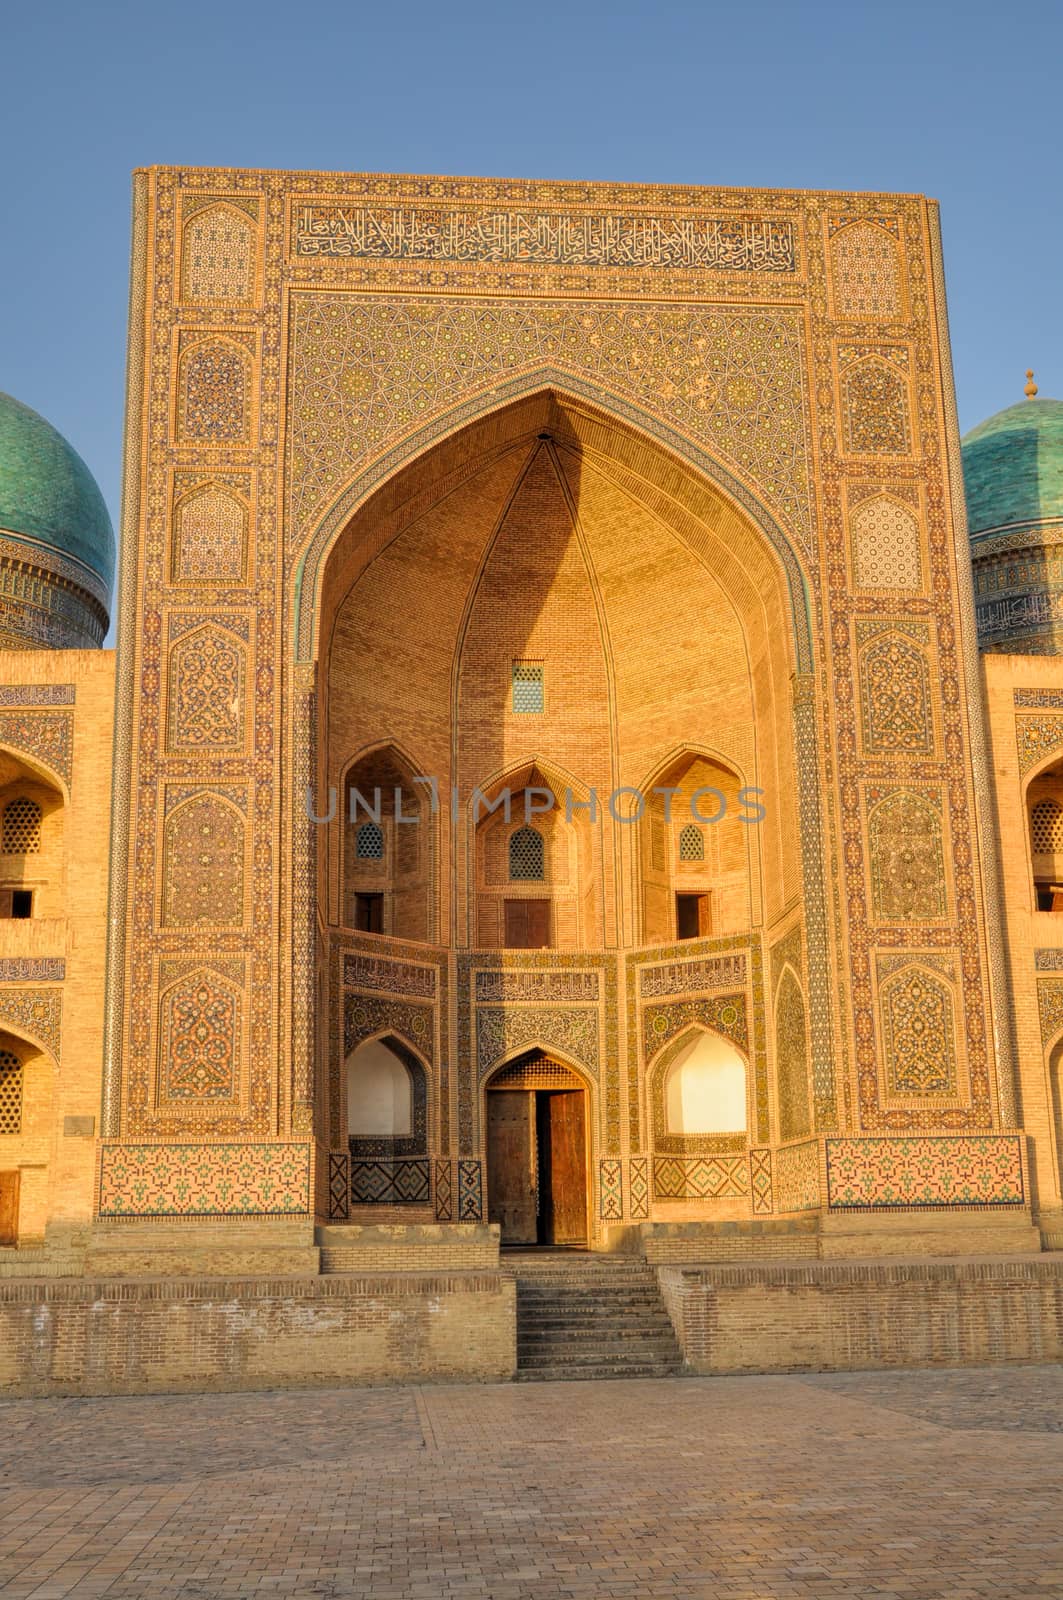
692	919
691	843
528	687
369	913
21	828
16	903
1046	828
527	856
370	842
10	1093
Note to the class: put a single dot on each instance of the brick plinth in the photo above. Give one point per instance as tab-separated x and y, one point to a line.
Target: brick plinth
833	1317
170	1336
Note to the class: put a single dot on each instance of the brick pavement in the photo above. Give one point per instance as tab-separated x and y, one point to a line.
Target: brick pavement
892	1486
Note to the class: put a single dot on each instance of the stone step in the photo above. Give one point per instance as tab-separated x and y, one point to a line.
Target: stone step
606	1324
596	1355
562	1374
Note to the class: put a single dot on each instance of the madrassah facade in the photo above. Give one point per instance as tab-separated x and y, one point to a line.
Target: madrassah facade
582	766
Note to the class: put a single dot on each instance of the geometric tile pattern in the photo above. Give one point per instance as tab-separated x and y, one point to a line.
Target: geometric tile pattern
895	697
866	271
218	256
886	545
904	834
444	1192
917	1034
875	405
213	393
701	1177
797	1176
924	1171
395	1183
760	1180
639	1179
611	1195
470	1191
46	735
204	1180
339	1183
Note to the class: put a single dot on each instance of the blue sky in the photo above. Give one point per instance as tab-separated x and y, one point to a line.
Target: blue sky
958	101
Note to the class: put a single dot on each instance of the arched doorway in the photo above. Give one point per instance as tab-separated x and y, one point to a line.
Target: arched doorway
536	1120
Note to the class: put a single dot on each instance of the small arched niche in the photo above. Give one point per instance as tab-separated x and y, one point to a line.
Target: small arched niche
387	1124
31	842
1044	813
379	1093
387	848
705	1087
696	836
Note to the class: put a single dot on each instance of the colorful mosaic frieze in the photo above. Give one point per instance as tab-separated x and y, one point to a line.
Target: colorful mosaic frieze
391	1183
918	1033
760	1181
545	985
924	1172
797	1176
339	1185
610	1191
791	1058
444	1192
203	863
907	854
46	736
691	977
37	694
205	1180
36	1012
1037	738
895	691
574	1033
723	374
32	969
364	972
887	549
701	1177
470	1191
639	1187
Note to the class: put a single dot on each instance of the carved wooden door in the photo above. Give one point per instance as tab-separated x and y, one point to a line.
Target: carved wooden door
511	1188
8	1208
563	1167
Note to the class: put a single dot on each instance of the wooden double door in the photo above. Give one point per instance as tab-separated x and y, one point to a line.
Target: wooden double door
537	1165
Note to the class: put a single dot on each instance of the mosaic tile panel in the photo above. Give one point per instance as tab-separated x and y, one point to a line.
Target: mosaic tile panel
1037	738
339	1185
639	1188
47	736
444	1192
470	1191
610	1191
38	1013
37	694
918	1034
924	1172
760	1181
392	1183
32	969
499	1032
797	1177
205	1180
701	1177
1050	1006
887	549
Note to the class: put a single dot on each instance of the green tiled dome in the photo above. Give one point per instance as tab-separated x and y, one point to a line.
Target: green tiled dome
47	493
1013	467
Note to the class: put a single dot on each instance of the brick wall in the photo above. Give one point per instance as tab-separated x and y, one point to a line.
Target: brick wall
168	1337
820	1317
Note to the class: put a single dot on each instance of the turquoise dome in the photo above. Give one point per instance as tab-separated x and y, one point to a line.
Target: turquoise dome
1013	467
48	494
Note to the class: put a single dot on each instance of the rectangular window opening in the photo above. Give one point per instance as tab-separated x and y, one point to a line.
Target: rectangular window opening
692	916
369	913
1049	897
528	688
16	903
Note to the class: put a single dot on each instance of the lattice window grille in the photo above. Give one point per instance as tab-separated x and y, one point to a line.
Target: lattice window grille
370	842
21	828
536	1075
10	1093
1046	828
691	843
528	687
527	856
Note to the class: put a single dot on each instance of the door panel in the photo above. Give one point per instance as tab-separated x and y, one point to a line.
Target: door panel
511	1199
563	1174
9	1207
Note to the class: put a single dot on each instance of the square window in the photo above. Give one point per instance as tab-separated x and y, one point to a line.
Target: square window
528	688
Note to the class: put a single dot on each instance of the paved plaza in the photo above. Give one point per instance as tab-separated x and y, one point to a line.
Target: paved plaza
916	1485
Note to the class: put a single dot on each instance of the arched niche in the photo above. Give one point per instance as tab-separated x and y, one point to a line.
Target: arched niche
705	1088
32	827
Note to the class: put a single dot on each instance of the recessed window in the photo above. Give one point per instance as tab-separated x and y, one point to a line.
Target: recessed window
21	833
528	687
1046	828
10	1093
692	920
16	903
370	842
527	856
691	843
369	913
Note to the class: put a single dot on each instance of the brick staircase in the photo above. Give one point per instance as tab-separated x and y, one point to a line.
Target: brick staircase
589	1316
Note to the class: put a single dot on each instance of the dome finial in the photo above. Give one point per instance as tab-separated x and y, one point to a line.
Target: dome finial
1030	388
